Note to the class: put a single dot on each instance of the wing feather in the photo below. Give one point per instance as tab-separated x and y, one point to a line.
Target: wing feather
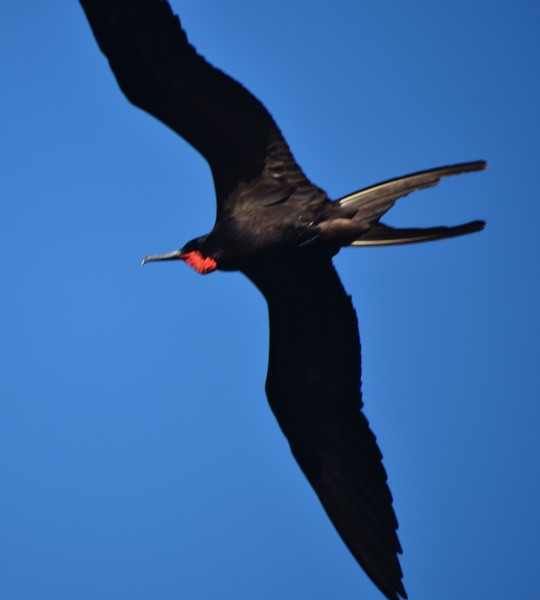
313	388
160	72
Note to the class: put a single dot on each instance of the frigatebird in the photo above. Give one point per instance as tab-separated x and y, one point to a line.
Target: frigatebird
282	231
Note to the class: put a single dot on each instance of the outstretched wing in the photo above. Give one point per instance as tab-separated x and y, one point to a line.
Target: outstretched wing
160	72
313	387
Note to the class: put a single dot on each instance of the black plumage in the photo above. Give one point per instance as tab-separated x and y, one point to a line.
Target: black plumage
281	231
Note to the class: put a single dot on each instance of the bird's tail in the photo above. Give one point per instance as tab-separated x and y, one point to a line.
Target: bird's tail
370	204
383	235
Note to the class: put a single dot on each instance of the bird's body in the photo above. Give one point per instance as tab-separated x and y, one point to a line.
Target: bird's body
281	231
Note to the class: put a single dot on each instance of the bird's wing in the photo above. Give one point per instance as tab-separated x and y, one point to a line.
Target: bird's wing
160	72
313	387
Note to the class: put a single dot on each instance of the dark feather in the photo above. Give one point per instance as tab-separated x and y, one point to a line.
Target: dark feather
313	387
373	202
160	72
384	235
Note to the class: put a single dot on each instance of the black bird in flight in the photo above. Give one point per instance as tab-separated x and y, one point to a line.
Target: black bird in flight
281	231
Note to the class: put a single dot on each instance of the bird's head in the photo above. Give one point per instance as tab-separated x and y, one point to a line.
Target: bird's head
193	253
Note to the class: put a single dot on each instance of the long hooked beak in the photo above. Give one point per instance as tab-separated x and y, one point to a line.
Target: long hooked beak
175	255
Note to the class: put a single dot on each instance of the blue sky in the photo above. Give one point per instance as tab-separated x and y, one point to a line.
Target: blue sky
138	456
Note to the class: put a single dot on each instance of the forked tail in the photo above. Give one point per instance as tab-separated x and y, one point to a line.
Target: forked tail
383	235
370	204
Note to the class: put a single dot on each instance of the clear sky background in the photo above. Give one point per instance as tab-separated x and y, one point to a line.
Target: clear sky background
138	457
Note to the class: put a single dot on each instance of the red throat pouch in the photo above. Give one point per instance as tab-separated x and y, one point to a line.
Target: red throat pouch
201	264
